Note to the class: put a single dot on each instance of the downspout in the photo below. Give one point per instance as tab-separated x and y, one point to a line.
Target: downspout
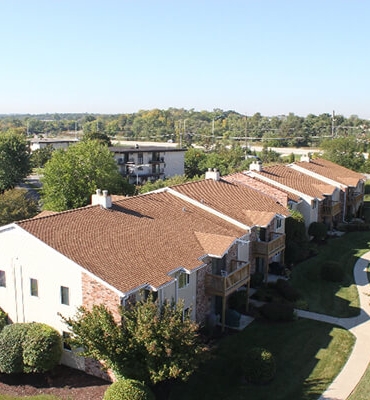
344	206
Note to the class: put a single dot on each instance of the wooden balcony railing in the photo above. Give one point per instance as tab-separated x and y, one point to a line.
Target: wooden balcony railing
270	248
331	210
218	285
355	198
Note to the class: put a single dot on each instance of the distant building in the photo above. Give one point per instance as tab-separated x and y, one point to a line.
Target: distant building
40	143
149	163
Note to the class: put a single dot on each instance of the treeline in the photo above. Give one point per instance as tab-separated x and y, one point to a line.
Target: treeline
189	126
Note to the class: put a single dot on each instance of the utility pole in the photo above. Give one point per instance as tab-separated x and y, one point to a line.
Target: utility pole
333	124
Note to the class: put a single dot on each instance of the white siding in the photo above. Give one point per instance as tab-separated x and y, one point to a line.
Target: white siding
174	162
22	257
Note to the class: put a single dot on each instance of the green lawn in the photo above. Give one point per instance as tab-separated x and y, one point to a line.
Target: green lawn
336	299
309	354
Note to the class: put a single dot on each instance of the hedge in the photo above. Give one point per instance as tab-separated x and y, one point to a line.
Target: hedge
259	366
128	389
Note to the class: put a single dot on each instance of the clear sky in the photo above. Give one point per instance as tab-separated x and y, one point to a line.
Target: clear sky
120	56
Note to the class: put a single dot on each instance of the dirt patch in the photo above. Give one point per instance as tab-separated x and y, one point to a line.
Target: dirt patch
63	382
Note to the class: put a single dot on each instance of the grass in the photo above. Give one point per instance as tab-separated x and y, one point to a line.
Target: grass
362	390
336	299
308	354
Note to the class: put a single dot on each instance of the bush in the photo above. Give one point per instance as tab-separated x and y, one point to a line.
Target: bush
29	347
259	366
11	348
287	291
42	348
277	311
238	300
257	279
332	272
128	389
3	319
318	230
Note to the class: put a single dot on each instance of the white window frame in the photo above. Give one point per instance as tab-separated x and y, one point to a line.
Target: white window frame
64	295
183	280
34	287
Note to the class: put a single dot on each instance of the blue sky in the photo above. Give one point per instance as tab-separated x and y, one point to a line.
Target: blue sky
267	56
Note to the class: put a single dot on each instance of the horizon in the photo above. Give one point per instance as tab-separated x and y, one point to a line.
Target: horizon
122	57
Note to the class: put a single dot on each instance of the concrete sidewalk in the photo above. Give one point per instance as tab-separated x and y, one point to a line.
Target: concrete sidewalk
356	365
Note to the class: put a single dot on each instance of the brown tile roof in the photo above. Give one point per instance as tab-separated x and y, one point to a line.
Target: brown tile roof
297	180
242	178
234	200
45	213
138	241
332	171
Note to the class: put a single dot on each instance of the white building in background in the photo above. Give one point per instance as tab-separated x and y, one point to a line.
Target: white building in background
149	163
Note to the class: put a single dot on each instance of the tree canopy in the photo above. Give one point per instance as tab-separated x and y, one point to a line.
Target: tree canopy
71	176
15	205
152	343
14	159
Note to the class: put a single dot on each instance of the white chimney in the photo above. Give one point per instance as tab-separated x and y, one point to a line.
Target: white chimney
102	199
305	158
255	166
213	174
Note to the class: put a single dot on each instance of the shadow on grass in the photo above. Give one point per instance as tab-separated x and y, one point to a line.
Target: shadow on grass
332	298
299	347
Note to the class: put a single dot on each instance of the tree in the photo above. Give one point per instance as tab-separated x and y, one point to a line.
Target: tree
14	160
152	343
71	176
15	205
40	157
344	151
160	183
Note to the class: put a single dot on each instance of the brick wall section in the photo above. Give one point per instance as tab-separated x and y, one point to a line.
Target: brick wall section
96	368
203	307
93	292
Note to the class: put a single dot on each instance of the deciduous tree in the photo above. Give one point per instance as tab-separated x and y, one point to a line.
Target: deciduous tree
152	344
14	160
71	176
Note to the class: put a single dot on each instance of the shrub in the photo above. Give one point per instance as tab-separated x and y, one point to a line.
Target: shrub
29	347
332	272
257	279
11	348
128	389
3	319
42	348
278	311
287	290
238	300
259	366
318	230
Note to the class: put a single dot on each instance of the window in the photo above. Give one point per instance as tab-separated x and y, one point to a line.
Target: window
34	287
64	295
278	222
183	279
2	279
66	336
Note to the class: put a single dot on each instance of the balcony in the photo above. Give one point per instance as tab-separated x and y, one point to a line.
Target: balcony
355	198
156	160
270	248
331	210
219	285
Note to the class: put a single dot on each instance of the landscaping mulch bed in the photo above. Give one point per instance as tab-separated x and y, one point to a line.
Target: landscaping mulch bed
63	382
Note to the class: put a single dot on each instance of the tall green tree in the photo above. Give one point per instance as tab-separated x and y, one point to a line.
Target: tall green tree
15	205
14	160
152	343
71	176
345	151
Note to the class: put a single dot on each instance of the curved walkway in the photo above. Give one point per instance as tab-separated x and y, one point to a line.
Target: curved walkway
356	365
